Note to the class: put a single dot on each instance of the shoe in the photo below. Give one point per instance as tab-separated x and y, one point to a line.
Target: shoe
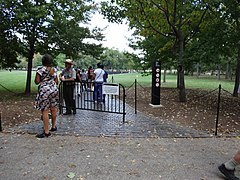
229	174
74	111
43	135
53	129
67	113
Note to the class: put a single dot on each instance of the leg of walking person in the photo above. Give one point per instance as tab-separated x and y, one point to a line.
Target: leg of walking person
72	99
46	132
228	168
45	121
66	96
84	85
54	118
95	92
78	88
100	92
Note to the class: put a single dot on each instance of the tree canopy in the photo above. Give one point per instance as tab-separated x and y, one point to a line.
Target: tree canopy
48	27
183	33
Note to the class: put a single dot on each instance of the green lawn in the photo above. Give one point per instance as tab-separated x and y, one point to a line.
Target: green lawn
16	81
191	82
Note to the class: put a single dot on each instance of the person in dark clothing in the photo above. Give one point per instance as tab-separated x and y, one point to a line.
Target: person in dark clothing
90	75
68	76
105	77
84	79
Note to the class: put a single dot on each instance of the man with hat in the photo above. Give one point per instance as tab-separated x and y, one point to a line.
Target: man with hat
68	76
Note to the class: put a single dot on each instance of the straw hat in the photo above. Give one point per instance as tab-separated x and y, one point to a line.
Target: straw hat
69	61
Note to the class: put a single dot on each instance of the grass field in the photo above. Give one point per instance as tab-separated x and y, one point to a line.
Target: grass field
191	82
16	81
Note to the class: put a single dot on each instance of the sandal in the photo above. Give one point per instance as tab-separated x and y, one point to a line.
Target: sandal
53	129
43	135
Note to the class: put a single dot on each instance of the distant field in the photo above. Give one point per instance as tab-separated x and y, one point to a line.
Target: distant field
191	82
16	81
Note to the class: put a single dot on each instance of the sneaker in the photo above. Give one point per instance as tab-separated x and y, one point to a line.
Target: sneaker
229	174
43	135
53	129
67	113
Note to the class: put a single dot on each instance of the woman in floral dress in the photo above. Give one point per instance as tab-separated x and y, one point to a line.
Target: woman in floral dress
47	97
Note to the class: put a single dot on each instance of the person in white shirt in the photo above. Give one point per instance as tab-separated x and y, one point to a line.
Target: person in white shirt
98	81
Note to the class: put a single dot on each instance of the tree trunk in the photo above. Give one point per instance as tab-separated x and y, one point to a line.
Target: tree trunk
218	72
29	71
231	74
198	70
178	79
227	71
164	74
182	93
237	78
181	83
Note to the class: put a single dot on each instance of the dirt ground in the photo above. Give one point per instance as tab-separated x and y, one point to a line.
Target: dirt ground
199	112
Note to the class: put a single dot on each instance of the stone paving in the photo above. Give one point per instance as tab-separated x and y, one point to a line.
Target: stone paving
93	123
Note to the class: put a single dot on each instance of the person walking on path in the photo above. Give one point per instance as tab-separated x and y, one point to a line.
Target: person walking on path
228	168
47	97
105	77
90	75
98	81
83	76
68	76
78	82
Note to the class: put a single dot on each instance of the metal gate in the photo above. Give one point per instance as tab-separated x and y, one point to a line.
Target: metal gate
86	98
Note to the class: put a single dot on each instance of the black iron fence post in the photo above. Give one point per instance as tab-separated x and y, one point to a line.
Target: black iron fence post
135	96
218	108
0	122
124	103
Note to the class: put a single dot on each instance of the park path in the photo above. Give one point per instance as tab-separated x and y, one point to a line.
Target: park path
93	145
93	123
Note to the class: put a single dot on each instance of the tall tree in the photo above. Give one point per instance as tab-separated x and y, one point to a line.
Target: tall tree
51	26
8	41
231	13
223	34
177	20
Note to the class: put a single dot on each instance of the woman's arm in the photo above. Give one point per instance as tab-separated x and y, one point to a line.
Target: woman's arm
56	80
37	78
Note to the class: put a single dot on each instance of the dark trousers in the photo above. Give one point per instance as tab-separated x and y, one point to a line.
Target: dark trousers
97	94
68	92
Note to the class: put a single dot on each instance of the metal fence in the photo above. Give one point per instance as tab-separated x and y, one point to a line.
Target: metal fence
219	102
112	99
